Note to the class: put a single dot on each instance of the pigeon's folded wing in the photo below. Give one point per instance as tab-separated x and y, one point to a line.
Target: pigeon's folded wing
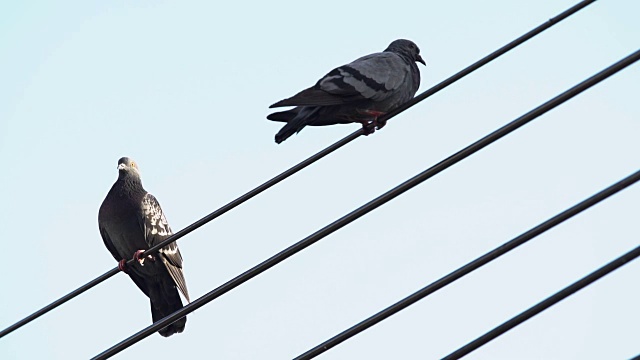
373	77
107	242
156	228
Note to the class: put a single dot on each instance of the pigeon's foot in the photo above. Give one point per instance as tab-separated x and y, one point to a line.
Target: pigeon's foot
370	126
122	265
138	256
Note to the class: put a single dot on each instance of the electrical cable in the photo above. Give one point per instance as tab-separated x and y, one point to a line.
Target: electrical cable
470	267
545	304
466	71
373	204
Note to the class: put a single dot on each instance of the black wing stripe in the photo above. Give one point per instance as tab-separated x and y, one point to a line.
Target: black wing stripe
369	82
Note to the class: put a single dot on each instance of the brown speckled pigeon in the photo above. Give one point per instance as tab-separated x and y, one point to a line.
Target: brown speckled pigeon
360	91
131	221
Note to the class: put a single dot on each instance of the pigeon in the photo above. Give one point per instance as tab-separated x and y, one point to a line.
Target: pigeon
360	91
131	221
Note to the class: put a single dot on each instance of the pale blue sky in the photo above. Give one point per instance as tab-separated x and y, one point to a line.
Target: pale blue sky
184	87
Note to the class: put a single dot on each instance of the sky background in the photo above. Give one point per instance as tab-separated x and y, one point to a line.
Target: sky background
184	87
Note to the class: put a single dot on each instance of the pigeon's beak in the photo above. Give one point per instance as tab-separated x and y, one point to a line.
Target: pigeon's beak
421	60
122	166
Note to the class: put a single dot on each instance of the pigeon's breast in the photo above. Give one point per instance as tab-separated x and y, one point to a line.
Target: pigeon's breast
118	216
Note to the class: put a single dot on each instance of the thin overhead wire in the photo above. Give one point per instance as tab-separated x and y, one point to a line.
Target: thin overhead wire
471	266
373	204
466	71
545	304
547	24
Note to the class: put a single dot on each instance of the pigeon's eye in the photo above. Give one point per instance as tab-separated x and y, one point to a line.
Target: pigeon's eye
133	164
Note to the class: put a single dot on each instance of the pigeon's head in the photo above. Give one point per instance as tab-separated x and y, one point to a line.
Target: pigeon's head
127	166
406	48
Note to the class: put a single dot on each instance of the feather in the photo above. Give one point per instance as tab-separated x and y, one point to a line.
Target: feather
131	219
372	84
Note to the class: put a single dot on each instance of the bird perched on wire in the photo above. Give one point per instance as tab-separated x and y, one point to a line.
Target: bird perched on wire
131	221
360	91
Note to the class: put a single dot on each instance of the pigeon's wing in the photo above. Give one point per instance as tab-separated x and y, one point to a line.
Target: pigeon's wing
373	77
284	116
107	242
156	228
155	224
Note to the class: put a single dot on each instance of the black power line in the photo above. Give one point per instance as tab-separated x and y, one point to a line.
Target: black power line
471	68
547	24
545	304
186	230
373	204
473	265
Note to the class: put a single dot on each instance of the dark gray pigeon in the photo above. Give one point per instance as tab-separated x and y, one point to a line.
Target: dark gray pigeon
360	92
131	221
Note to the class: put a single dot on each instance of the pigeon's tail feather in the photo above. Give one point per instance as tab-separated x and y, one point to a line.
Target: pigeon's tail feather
164	306
302	117
287	131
